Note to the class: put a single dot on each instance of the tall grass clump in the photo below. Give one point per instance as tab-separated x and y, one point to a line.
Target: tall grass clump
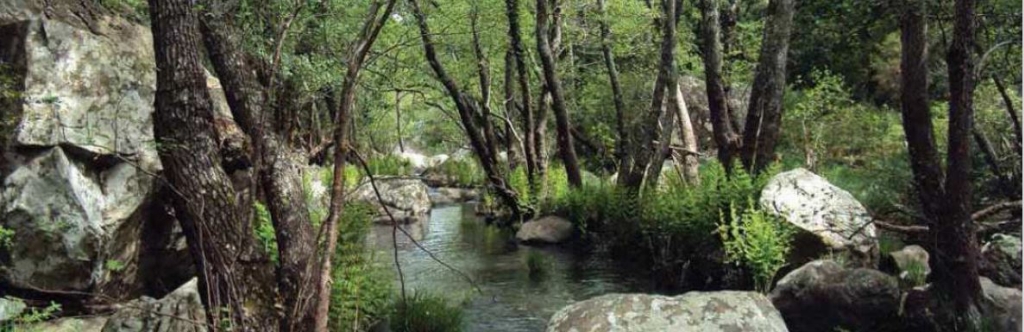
464	172
390	165
757	240
422	312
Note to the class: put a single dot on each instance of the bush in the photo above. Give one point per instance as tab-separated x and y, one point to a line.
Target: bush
463	172
757	240
264	229
425	313
389	165
24	322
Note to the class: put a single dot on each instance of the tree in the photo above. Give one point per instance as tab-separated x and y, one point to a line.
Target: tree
946	205
468	115
764	116
554	87
526	111
204	200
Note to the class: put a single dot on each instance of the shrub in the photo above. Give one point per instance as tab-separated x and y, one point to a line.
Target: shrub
757	240
264	229
425	313
389	165
6	237
464	172
24	321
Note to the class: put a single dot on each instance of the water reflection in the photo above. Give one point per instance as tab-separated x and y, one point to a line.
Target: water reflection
511	299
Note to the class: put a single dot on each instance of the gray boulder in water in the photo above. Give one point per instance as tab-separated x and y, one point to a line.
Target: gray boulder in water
545	230
694	311
407	199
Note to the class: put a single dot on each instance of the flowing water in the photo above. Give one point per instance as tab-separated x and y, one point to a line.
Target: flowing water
509	298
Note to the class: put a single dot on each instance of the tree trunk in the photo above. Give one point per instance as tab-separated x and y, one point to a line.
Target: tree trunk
613	79
371	28
398	120
690	161
484	74
516	45
726	139
764	115
279	176
666	126
512	143
631	172
467	114
957	268
204	199
1012	112
565	146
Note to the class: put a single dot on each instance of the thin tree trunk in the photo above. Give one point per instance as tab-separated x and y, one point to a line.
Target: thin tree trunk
957	268
613	79
360	48
691	162
398	120
484	74
279	177
726	139
764	116
667	127
1012	112
565	146
631	174
512	143
516	45
467	114
203	200
992	159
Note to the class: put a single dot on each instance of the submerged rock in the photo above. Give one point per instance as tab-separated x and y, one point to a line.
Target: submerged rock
1001	260
824	296
830	218
448	195
693	311
549	229
406	199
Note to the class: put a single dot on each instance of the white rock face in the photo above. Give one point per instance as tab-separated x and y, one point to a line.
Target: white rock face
694	311
406	199
817	207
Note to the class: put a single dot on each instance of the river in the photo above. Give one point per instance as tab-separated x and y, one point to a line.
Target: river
508	298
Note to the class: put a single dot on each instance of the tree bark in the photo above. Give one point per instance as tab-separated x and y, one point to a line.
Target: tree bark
484	74
957	269
512	143
204	199
565	146
764	115
726	139
467	114
1012	112
371	28
518	51
279	176
690	162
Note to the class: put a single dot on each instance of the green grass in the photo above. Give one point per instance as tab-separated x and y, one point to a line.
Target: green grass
422	312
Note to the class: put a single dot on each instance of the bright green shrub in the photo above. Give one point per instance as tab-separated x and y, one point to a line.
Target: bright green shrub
425	313
389	165
464	172
360	291
6	237
264	229
757	240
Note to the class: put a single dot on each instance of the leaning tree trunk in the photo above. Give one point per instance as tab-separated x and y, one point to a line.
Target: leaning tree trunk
203	200
764	115
613	79
467	115
279	176
690	157
554	87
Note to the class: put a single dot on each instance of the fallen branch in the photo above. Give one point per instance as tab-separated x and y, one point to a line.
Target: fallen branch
991	210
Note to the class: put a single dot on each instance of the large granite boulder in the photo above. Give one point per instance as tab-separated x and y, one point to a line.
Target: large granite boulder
830	218
79	154
78	157
406	199
693	311
824	296
1001	260
1001	306
545	230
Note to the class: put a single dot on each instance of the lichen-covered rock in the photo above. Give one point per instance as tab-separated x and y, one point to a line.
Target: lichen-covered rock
1001	306
725	311
1001	260
180	310
548	229
70	324
406	199
823	296
830	218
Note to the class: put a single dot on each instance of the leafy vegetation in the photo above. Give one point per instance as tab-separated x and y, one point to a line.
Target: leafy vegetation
757	240
361	290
